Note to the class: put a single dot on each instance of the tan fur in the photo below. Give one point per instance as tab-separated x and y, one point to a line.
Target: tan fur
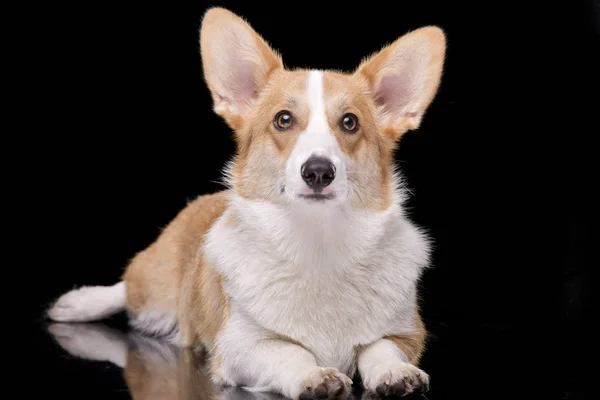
262	149
375	67
371	152
412	344
170	273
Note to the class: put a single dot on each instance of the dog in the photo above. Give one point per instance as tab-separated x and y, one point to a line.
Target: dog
303	273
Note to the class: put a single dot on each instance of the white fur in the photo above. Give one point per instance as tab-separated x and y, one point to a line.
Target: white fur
316	140
383	363
331	279
89	303
158	322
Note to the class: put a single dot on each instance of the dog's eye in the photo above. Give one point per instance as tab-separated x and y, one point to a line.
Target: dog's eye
349	123
283	120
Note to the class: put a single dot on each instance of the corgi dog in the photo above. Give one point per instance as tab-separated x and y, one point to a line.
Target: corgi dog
303	274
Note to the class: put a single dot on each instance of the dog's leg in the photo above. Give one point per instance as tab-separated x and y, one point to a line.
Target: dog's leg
388	366
249	356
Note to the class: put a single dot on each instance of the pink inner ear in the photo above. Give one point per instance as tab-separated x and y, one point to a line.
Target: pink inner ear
240	71
240	81
397	92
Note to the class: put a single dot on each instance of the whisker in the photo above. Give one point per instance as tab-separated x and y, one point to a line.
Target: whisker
219	183
263	200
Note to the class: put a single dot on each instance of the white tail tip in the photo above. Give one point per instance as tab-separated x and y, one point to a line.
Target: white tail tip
89	303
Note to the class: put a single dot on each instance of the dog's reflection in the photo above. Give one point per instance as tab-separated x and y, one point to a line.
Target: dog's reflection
152	369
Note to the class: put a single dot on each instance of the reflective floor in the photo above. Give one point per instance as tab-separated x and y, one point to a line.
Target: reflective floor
150	369
106	361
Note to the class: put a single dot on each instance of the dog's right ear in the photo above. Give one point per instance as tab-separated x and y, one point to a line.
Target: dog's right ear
237	63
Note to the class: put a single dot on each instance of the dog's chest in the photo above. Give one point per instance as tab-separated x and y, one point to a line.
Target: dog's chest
330	305
330	315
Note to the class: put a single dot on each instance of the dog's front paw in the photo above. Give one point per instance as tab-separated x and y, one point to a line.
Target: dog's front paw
397	380
324	383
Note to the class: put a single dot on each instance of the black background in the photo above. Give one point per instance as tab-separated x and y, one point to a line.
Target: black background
500	170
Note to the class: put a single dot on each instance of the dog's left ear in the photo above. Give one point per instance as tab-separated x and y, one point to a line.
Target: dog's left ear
404	77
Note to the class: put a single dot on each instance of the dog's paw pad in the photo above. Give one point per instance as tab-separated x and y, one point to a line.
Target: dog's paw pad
400	380
395	389
325	383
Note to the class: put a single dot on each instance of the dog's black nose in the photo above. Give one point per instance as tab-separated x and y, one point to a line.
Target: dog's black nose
317	172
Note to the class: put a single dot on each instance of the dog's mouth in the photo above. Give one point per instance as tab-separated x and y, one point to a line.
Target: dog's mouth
317	196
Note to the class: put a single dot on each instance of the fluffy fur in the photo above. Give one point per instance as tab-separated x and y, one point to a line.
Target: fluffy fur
294	288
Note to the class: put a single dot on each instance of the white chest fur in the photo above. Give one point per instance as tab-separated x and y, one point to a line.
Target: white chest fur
330	282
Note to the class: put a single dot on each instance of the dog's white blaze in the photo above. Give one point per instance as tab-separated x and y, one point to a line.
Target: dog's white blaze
317	139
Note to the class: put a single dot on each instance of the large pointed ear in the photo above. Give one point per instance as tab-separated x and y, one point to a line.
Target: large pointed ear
404	77
237	62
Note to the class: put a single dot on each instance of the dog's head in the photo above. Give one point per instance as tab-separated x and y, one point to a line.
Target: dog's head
316	138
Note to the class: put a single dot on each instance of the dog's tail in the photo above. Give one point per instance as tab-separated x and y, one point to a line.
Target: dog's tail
89	303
